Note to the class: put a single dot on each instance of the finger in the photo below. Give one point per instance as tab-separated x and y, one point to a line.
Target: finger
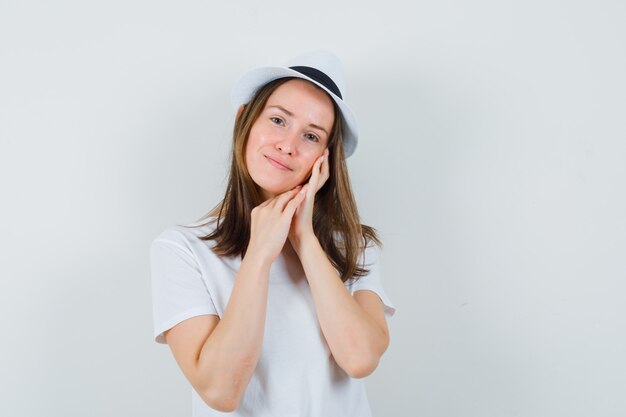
321	160
309	199
316	171
319	171
294	203
282	199
324	171
326	168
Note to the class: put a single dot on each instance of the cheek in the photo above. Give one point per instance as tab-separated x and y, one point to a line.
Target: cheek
310	156
256	139
259	135
307	166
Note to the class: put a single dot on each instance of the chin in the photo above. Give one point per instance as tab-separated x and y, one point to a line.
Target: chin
270	183
271	186
277	190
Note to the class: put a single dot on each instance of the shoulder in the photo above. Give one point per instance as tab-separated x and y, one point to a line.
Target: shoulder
184	240
185	233
368	250
371	251
184	244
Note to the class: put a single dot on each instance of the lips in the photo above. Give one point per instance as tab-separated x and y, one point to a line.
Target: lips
278	163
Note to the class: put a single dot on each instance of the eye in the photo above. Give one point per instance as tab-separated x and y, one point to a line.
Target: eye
315	139
278	121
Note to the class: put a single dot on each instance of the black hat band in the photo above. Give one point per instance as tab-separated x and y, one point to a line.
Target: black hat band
320	77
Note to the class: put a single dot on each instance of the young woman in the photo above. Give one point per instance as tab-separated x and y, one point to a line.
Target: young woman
272	304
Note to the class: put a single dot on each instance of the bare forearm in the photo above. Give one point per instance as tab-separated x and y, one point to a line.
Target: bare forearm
355	339
230	354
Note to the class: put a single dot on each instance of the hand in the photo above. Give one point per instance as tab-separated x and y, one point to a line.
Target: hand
270	222
302	223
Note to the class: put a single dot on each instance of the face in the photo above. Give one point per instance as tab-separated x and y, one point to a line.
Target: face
291	132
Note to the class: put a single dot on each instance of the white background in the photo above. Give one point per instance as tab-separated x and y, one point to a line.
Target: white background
491	160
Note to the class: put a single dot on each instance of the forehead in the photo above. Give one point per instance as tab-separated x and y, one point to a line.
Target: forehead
305	100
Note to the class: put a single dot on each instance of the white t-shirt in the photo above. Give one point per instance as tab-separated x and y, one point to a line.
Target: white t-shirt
296	374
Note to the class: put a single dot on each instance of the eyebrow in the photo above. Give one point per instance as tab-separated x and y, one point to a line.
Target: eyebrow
291	115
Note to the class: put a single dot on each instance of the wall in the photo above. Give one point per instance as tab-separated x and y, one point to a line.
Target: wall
491	161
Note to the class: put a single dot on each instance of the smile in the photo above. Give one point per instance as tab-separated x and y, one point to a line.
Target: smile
277	164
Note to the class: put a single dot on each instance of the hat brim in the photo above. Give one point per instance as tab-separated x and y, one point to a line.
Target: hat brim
250	82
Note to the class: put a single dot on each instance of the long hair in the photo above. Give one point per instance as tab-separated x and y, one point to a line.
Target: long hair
336	221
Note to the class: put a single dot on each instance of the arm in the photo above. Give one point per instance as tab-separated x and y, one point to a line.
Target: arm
354	327
218	357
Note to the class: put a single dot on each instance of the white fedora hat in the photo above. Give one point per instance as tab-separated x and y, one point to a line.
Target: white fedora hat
319	67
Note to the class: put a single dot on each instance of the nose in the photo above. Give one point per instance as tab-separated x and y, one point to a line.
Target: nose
287	144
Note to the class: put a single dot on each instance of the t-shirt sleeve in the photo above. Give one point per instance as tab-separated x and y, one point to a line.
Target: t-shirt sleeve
178	291
372	281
